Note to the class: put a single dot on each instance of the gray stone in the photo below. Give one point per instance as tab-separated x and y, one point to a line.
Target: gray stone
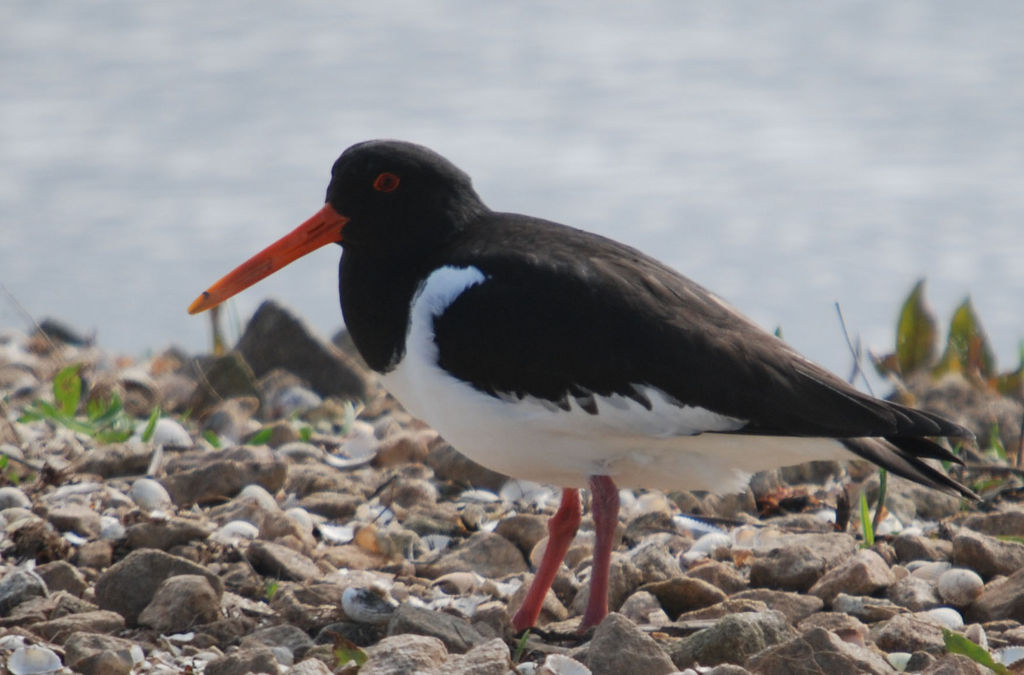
620	648
525	530
12	497
60	575
818	651
105	663
997	524
914	593
243	662
274	338
128	586
959	587
310	666
59	630
1001	599
332	505
292	638
18	586
180	603
485	553
683	594
80	646
862	574
987	555
281	562
74	518
216	476
116	459
166	534
490	658
733	639
720	575
793	605
955	664
795	562
908	633
404	654
457	634
910	547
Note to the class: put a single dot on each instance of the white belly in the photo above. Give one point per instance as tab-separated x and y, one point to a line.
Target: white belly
667	447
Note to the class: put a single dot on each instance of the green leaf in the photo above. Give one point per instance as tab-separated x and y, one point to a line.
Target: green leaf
3	461
154	417
958	644
915	333
865	522
271	590
521	646
211	437
995	442
305	433
67	388
345	651
261	437
967	348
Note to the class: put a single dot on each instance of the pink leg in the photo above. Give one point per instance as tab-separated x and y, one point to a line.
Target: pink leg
604	497
561	529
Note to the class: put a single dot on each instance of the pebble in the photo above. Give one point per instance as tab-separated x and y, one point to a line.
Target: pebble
12	497
33	660
169	432
149	495
959	587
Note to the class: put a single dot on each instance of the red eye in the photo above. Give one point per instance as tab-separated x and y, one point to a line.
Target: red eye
386	182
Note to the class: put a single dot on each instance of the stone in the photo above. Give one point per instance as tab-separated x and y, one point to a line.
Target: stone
292	638
97	555
332	505
722	609
733	639
818	651
914	593
490	658
243	662
12	497
128	586
457	634
105	663
620	648
180	603
911	547
683	594
1001	599
18	586
281	562
720	575
60	575
223	475
115	459
485	553
525	530
552	609
656	563
643	608
959	587
404	447
74	518
403	654
451	465
222	378
166	534
150	495
862	574
1000	523
866	609
274	338
847	627
955	664
794	606
311	666
80	646
795	562
908	633
987	555
59	630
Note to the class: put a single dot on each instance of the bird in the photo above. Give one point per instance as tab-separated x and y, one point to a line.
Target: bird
549	353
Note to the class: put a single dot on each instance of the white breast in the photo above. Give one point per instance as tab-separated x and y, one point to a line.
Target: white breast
668	446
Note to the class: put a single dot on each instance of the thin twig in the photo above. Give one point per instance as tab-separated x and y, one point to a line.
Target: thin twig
855	353
24	312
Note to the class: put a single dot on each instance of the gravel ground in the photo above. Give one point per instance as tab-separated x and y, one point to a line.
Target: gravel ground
284	515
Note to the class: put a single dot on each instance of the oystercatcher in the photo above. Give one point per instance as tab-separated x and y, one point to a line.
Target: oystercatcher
556	355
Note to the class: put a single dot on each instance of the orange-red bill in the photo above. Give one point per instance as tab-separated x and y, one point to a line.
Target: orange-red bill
323	228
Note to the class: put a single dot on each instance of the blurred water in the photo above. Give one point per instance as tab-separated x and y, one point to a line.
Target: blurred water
787	155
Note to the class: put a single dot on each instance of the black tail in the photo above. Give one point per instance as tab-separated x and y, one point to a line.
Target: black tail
903	455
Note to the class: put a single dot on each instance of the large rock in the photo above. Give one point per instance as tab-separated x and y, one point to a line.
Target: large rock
734	639
128	586
281	562
276	339
402	654
485	553
490	658
987	555
819	651
60	629
620	648
457	634
862	574
795	562
181	602
1001	599
19	586
683	594
206	477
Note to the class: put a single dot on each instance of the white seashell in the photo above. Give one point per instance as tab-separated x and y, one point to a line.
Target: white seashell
559	664
33	660
336	534
300	451
944	616
927	570
1009	655
899	660
111	528
235	531
368	605
170	433
358	449
478	496
695	525
527	492
959	587
260	494
287	401
889	525
150	495
709	543
302	517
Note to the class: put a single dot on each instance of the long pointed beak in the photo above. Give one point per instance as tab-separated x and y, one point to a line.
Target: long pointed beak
323	228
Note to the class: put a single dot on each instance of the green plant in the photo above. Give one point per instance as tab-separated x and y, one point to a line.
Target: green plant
261	437
270	590
521	646
958	644
346	651
865	523
105	419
